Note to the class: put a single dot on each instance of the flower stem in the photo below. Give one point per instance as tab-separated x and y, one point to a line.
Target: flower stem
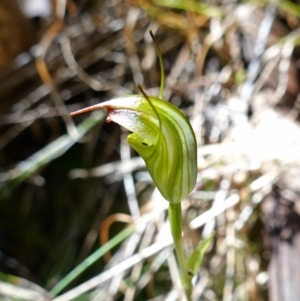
175	218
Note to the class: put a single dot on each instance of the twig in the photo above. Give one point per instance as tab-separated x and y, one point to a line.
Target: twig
230	256
259	48
73	65
213	212
43	71
14	291
128	179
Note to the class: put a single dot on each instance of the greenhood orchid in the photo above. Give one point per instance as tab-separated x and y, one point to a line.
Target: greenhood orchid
162	136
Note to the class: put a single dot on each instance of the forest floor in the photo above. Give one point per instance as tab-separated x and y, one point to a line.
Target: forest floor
69	185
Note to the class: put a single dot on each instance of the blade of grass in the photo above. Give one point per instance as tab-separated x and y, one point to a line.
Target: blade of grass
119	268
13	177
92	259
192	6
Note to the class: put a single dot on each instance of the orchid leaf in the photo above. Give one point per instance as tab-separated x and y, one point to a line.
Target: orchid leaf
163	137
195	259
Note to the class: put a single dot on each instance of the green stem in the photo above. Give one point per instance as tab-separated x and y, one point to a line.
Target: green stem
175	218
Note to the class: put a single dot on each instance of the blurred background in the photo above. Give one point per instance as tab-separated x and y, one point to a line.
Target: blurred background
67	186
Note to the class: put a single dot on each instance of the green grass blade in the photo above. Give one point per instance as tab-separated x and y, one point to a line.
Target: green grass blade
92	259
24	169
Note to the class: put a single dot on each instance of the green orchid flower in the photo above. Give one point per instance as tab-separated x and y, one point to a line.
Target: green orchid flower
162	136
